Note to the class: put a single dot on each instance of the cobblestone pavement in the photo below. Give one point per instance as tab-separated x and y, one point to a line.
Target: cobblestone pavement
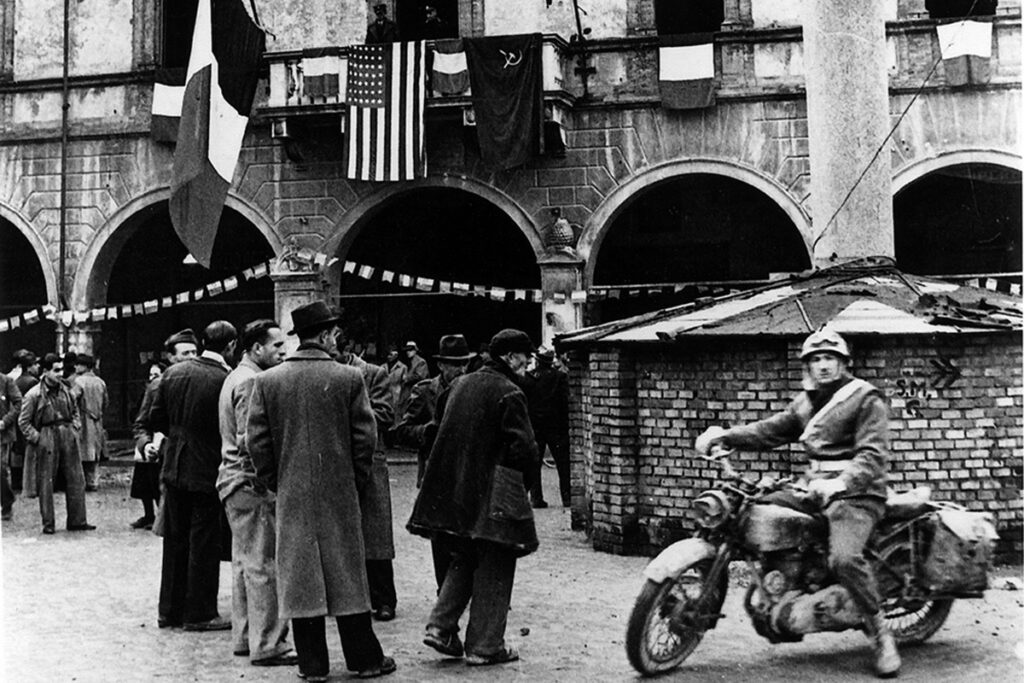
82	607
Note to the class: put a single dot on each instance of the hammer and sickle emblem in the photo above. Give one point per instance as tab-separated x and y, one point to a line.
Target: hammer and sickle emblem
512	58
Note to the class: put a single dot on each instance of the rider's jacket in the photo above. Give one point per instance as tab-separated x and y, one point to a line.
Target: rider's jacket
843	427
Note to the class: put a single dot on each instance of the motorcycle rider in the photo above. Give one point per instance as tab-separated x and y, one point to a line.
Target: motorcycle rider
843	423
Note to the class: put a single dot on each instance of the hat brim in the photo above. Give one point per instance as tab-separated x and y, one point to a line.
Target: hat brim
320	323
467	357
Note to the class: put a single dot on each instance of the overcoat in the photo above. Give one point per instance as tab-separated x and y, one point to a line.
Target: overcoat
483	425
49	420
311	436
378	533
92	403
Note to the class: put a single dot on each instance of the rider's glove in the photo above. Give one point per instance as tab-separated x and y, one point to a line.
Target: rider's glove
827	489
709	438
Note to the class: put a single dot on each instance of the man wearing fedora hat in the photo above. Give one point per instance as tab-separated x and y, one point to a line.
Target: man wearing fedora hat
416	429
473	499
311	435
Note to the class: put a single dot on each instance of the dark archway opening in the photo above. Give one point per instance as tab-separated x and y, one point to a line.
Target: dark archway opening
150	265
964	219
693	228
22	288
447	235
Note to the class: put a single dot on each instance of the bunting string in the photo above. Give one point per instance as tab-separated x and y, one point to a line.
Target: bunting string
418	286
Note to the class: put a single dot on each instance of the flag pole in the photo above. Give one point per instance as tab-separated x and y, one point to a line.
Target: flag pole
63	239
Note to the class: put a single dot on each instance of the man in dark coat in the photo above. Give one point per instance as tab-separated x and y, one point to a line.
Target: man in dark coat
10	408
311	436
418	427
547	392
28	364
382	29
375	499
185	409
473	497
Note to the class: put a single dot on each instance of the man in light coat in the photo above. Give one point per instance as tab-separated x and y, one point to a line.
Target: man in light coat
92	402
311	436
256	630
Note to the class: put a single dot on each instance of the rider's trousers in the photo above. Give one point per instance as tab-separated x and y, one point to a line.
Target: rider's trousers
850	522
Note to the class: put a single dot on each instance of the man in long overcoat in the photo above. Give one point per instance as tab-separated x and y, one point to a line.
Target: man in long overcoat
92	403
10	408
473	496
311	436
375	502
186	410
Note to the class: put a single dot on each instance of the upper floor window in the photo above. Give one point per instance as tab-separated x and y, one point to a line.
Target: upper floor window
179	18
672	17
427	20
958	9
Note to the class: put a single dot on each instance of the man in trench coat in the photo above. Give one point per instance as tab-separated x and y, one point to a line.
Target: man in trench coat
311	436
91	392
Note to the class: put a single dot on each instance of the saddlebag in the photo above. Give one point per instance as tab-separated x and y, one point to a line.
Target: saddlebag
961	552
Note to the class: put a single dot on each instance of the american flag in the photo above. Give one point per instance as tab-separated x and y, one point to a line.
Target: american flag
384	133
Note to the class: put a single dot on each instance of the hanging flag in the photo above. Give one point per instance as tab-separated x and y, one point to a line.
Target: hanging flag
449	74
99	315
230	283
320	76
112	313
686	71
66	318
181	298
349	267
261	270
405	280
520	295
425	284
966	48
386	89
443	286
168	93
366	272
497	293
505	75
215	288
223	70
5	325
167	302
14	322
387	276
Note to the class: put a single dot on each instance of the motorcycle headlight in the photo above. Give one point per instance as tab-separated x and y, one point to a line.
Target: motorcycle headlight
712	508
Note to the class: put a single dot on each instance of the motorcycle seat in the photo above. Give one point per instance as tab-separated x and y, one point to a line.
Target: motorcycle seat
904	505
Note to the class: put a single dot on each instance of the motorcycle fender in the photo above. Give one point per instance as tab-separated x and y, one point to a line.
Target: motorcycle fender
678	557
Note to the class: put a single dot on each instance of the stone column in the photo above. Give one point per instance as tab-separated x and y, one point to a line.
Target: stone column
561	273
81	337
294	288
847	120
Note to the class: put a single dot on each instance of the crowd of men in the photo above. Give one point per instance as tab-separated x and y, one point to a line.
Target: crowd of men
277	462
51	434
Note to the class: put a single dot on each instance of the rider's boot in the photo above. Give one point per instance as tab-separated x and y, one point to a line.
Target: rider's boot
887	659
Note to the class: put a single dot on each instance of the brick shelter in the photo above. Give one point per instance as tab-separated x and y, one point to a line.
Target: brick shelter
948	359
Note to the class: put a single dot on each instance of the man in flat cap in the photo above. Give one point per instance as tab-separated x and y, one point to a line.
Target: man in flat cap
473	498
185	408
91	392
311	436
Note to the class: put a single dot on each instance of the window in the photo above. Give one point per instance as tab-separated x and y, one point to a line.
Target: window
672	17
958	9
412	19
179	18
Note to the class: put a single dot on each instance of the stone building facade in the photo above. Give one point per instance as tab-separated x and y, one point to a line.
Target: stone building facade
84	188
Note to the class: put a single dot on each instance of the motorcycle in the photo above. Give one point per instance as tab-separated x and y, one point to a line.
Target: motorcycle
925	554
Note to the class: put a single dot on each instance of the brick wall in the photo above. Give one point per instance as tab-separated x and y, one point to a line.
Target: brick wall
956	408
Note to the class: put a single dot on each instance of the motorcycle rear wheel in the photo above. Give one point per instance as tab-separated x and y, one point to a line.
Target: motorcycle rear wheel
654	645
916	622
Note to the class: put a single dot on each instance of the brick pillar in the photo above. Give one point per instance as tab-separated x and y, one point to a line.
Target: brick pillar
615	437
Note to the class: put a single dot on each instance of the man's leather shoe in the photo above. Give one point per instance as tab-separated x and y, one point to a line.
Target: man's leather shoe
503	656
286	659
142	523
449	645
169	623
217	624
384	613
386	666
81	527
47	529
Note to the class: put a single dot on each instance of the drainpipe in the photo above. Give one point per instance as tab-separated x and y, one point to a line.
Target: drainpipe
62	299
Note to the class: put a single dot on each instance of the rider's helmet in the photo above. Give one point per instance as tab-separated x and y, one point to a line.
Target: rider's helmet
825	340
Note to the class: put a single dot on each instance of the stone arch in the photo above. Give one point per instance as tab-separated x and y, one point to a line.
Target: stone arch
25	228
347	228
601	220
97	261
916	170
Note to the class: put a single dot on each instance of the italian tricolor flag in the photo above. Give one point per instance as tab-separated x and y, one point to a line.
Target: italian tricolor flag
686	71
966	48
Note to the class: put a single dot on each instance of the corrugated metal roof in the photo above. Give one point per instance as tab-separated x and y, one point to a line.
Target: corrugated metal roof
870	296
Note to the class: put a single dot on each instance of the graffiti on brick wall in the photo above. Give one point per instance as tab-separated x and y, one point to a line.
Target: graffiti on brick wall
916	387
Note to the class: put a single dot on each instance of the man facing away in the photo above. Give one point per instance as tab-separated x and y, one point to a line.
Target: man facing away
49	421
256	630
473	498
843	423
311	436
185	408
547	392
92	402
418	427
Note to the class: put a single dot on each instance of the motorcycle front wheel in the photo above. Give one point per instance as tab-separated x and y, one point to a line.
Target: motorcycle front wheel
655	641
